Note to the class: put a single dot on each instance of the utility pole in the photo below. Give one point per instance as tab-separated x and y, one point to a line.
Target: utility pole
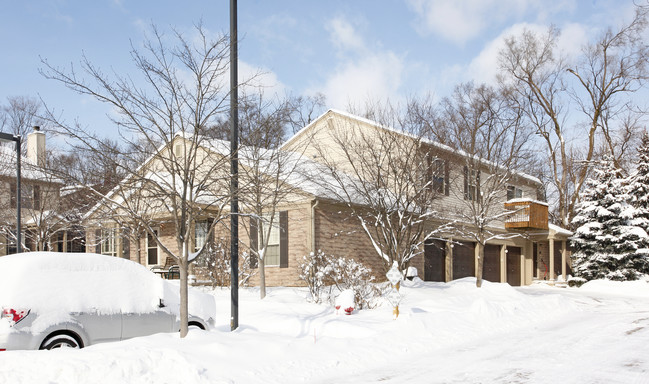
234	171
7	138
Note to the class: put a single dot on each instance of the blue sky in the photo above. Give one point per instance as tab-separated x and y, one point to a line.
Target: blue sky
348	50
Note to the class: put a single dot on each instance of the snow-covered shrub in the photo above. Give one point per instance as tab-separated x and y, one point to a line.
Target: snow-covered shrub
214	263
313	273
323	272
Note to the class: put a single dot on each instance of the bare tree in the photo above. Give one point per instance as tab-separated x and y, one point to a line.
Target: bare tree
601	83
161	115
19	115
485	125
266	122
267	174
384	177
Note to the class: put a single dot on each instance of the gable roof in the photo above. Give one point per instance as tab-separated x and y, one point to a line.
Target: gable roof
333	112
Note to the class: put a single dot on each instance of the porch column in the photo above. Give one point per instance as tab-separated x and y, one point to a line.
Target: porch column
449	260
563	260
551	242
64	246
503	263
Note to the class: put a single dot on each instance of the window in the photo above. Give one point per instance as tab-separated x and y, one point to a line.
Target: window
31	196
514	192
36	197
201	229
12	189
438	175
471	184
151	249
109	241
272	255
11	238
277	246
178	151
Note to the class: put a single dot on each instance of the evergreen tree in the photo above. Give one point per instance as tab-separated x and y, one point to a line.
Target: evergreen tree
638	184
638	191
611	240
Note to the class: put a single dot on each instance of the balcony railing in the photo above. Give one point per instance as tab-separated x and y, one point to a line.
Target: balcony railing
526	214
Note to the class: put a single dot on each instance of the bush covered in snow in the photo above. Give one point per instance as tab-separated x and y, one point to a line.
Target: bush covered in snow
214	264
326	275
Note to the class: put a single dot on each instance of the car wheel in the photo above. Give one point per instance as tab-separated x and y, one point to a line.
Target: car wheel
196	325
60	341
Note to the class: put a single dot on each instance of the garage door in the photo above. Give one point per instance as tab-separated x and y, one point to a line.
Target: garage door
491	266
514	266
434	260
463	260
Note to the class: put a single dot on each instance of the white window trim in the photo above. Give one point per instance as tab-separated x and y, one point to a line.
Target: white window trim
157	230
206	233
109	242
274	231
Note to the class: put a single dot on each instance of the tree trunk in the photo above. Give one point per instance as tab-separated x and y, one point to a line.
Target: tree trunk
262	278
184	293
478	273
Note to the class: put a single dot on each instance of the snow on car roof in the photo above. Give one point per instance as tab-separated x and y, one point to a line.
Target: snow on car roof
76	282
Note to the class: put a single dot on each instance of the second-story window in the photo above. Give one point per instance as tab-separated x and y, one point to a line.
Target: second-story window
514	192
36	197
471	184
438	175
31	196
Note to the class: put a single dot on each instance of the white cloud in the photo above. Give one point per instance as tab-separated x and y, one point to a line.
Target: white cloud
259	80
484	67
362	74
462	20
343	35
373	77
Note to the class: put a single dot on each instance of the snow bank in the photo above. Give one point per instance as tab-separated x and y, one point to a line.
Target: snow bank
504	334
628	288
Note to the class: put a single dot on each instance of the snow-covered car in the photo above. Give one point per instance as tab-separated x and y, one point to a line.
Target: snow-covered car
51	300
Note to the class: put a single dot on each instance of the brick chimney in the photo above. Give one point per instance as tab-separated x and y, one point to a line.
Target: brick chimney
36	147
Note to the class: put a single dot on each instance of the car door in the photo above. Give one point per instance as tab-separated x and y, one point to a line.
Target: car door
100	327
144	324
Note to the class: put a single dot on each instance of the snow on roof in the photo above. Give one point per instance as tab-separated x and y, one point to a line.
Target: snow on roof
525	200
28	170
559	230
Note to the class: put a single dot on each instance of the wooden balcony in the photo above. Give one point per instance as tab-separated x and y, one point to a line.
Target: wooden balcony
526	214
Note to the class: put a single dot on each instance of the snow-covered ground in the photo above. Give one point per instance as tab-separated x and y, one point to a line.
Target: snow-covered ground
446	333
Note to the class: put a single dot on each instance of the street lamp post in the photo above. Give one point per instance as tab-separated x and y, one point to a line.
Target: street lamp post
7	138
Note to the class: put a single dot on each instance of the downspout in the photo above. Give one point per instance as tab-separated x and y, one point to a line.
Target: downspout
313	206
